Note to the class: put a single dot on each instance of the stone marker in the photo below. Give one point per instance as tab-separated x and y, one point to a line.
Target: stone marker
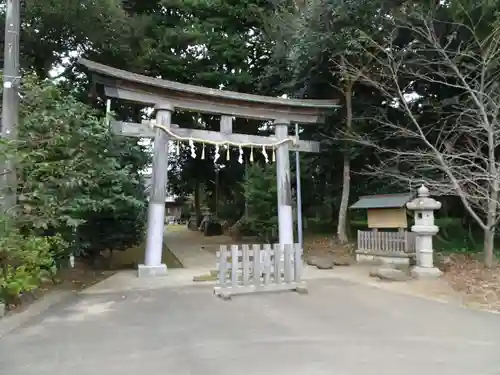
324	263
2	309
311	260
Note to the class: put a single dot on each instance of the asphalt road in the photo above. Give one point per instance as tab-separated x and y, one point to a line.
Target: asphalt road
338	329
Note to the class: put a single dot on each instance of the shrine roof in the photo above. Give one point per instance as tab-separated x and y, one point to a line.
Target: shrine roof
397	200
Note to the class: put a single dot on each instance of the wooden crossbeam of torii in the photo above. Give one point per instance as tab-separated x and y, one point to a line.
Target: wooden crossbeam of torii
167	97
144	130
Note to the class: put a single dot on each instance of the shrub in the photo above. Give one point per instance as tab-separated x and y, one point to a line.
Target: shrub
25	261
75	178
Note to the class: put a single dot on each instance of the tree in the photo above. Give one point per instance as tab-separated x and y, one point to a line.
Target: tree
438	71
79	192
54	30
187	41
316	40
261	195
73	174
217	44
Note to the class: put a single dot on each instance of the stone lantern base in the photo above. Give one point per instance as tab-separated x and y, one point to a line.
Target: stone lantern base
426	272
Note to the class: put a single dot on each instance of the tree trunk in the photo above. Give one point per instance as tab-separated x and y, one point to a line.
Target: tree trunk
491	218
489	241
346	179
489	231
344	203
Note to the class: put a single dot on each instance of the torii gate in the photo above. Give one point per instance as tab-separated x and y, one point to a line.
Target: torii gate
166	97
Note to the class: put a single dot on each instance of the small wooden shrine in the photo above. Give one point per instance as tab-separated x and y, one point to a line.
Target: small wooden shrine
387	211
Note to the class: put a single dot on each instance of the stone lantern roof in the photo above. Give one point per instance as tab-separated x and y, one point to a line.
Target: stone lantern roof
423	201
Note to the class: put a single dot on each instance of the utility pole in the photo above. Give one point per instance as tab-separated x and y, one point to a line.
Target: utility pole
10	100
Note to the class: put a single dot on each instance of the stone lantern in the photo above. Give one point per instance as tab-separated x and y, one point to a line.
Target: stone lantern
424	228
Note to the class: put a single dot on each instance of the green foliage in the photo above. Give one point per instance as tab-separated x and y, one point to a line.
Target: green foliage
228	210
217	44
261	194
25	261
212	43
318	225
53	29
74	174
79	188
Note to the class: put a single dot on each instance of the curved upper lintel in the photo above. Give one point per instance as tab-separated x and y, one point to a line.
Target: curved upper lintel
143	89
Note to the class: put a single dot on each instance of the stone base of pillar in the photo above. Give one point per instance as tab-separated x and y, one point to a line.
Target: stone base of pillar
426	272
144	271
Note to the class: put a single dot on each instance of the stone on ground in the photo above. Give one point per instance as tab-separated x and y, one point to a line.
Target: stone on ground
443	262
426	273
341	262
389	274
311	260
324	263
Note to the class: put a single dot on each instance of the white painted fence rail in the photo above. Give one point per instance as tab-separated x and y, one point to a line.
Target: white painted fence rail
243	269
390	242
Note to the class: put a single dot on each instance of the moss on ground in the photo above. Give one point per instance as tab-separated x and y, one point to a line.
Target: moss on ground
133	256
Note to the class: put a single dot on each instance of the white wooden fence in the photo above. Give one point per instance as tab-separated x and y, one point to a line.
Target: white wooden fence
244	269
390	242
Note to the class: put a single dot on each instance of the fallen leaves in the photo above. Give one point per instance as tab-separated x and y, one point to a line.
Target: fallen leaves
320	245
479	285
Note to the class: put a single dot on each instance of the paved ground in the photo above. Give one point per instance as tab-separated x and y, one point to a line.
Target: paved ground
128	281
340	328
192	248
188	246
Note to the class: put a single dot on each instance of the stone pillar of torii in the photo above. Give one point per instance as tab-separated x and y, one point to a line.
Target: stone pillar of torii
273	148
169	96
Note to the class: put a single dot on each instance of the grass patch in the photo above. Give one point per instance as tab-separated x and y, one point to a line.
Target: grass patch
206	277
175	227
133	256
461	241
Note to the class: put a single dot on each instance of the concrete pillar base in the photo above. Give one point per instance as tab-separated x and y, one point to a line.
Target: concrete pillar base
426	273
144	271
